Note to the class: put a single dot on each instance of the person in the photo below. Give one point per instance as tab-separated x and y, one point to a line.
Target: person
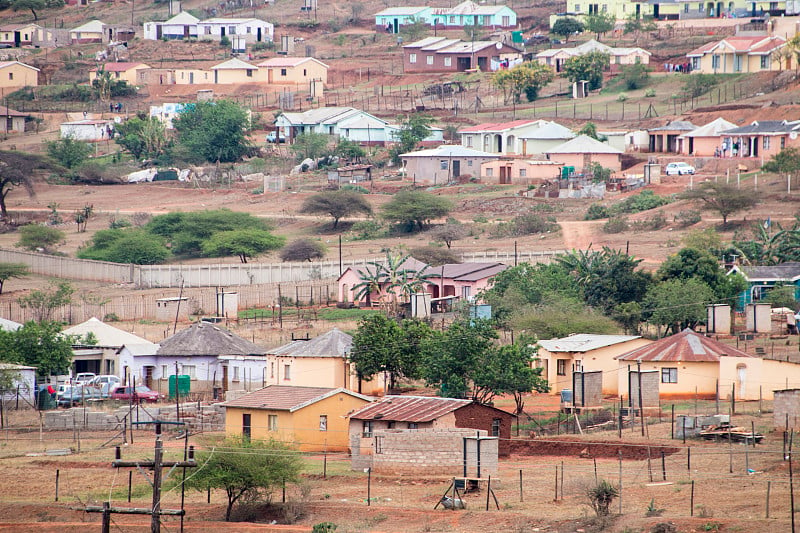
51	391
791	323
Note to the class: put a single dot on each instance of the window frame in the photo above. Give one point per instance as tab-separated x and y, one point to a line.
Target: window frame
670	373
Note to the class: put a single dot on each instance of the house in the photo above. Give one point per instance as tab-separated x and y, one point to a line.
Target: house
555	57
519	171
88	130
445	164
181	26
669	137
235	71
561	358
761	279
422	412
518	137
251	29
101	357
451	281
321	362
762	138
121	71
733	55
11	121
582	151
695	366
312	418
22	384
548	135
393	18
440	54
468	13
168	112
294	70
214	358
92	32
17	35
15	75
347	122
705	140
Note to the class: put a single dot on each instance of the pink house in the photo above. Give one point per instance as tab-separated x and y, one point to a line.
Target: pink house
460	280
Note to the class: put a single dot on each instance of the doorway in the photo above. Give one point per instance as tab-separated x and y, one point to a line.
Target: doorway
148	376
456	168
225	378
463	63
258	35
17	39
246	426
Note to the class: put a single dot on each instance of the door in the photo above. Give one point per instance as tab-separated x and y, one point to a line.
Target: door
246	426
463	63
456	168
741	378
159	32
656	11
186	32
258	35
225	378
191	78
269	76
505	175
17	39
483	64
148	376
395	26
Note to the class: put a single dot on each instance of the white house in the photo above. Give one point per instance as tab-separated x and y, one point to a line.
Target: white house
517	137
181	26
253	30
23	382
88	130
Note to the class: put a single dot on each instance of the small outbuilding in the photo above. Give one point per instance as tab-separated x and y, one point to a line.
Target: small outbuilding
582	151
445	164
11	121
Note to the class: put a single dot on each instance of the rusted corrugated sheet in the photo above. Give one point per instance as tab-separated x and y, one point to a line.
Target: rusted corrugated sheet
685	346
409	408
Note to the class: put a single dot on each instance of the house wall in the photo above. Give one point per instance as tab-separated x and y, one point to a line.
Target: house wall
130	76
416	60
85	132
757	378
17	75
695	379
381	21
786	409
234	76
540	146
26	35
519	171
215	31
481	417
303	73
749	63
17	124
332	372
83	37
611	161
701	146
429	169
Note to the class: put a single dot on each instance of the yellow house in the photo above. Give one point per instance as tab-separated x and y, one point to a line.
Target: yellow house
234	71
91	32
14	75
733	55
294	70
560	358
314	419
319	362
17	35
122	71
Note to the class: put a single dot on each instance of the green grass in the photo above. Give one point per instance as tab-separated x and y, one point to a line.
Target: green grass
334	315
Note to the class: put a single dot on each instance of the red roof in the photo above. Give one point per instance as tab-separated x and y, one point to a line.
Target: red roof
496	126
686	346
409	408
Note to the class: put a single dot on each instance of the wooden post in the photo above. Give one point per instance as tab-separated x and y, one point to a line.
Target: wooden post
106	526
325	465
369	488
488	491
791	483
561	486
663	465
520	484
58	474
619	452
594	459
689	458
130	484
649	465
691	501
769	487
555	498
672	431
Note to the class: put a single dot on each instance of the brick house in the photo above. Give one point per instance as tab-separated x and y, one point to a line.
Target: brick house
440	54
422	412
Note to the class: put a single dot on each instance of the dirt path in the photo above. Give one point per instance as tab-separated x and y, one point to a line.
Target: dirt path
579	234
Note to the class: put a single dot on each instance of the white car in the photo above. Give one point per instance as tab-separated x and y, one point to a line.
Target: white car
678	169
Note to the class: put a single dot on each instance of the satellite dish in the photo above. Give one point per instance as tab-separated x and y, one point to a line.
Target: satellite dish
498	45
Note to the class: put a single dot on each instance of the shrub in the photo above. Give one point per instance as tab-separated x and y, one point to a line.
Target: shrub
35	237
622	97
688	218
600	497
615	225
596	212
524	225
69	151
643	201
368	229
650	93
656	222
225	42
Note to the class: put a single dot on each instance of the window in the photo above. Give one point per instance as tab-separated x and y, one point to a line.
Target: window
391	425
765	61
272	370
487	20
489	172
249	73
443	164
465	290
323	422
190	370
469	162
506	20
686	8
700	7
715	61
283	72
207	30
236	373
287	372
429	60
695	63
164	372
232	30
413	425
669	375
412	58
305	72
604	9
577	8
448	61
246	426
10	75
523	172
496	427
469	141
452	20
578	366
248	29
783	143
561	367
766	142
366	429
273	422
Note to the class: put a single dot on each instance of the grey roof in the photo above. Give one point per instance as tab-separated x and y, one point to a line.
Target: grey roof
391	11
766	126
783	272
450	150
319	115
181	18
234	64
584	342
204	338
583	144
675	125
334	343
550	130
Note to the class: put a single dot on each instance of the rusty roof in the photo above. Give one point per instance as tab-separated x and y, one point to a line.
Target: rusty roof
686	346
285	398
409	408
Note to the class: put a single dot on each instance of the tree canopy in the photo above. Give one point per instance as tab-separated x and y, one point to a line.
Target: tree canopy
69	151
448	233
143	137
35	237
588	67
129	245
566	27
310	145
414	128
244	243
599	23
528	78
721	197
12	270
415	209
677	303
337	204
38	344
214	131
303	250
43	302
17	169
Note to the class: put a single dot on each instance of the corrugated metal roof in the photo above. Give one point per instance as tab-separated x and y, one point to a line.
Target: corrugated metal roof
105	334
789	271
286	398
712	129
549	130
409	408
686	346
396	11
498	126
334	343
121	66
203	338
234	64
584	342
9	63
449	150
675	125
182	18
583	144
766	126
288	62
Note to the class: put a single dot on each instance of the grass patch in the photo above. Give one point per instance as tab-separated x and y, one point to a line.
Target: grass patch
332	314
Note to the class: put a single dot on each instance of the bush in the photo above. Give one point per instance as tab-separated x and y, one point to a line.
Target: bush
600	497
643	201
368	229
699	84
615	225
656	222
688	218
596	212
225	42
35	237
650	93
622	97
69	151
524	225
635	76
126	246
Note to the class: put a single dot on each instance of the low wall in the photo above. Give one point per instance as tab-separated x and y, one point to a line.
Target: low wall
207	417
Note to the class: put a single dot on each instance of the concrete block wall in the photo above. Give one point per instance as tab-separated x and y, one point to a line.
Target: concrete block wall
208	417
588	388
650	389
786	404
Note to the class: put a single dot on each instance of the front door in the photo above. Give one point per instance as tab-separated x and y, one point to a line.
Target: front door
191	78
148	376
246	427
17	39
186	32
456	168
258	35
225	378
463	64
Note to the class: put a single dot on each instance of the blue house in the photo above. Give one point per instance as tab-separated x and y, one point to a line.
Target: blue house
761	279
393	18
467	13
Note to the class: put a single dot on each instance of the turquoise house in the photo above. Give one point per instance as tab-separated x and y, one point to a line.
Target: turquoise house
467	13
393	18
761	279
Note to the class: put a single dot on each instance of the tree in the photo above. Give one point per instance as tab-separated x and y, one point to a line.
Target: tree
38	344
635	76
415	209
435	255
765	245
215	131
310	145
17	169
560	316
303	250
69	151
782	296
677	303
35	237
133	245
35	5
12	270
349	150
248	470
143	137
587	67
636	24
590	130
509	371
242	242
337	204
413	29
721	197
787	161
529	77
42	302
567	26
449	232
103	82
599	23
699	84
690	263
414	128
600	497
391	279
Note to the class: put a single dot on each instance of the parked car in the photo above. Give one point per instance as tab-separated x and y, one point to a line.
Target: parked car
83	377
78	394
273	137
105	379
140	394
678	169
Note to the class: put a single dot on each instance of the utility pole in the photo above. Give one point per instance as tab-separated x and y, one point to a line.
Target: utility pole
157	464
